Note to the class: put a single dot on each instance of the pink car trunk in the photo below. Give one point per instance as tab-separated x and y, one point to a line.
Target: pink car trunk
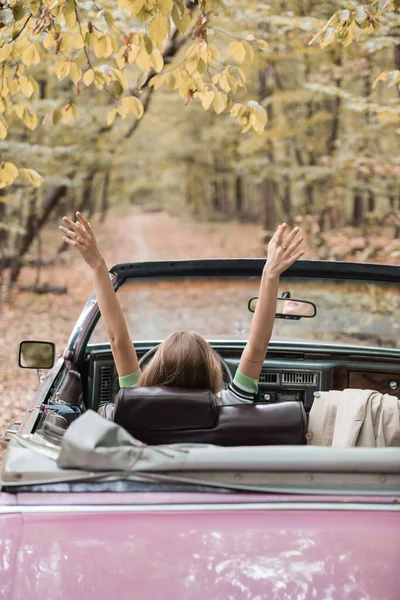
198	547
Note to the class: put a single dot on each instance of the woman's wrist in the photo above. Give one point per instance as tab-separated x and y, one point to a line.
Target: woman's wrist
99	264
270	273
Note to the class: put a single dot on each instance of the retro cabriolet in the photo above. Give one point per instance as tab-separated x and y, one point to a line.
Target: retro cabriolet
177	497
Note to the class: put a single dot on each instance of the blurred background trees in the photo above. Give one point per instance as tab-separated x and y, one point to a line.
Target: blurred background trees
326	74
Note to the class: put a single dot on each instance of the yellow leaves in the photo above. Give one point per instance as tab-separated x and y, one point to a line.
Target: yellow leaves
49	42
31	177
157	30
143	61
126	55
102	46
75	72
69	111
27	115
220	102
157	81
249	53
30	55
157	61
127	4
61	69
3	129
181	17
392	77
5	52
99	78
111	116
121	79
130	105
237	51
165	6
262	44
213	51
258	116
25	86
136	6
250	116
8	174
88	77
206	97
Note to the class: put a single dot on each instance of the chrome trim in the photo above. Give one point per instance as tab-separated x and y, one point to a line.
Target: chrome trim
140	508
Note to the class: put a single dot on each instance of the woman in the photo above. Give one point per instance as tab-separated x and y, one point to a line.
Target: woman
185	359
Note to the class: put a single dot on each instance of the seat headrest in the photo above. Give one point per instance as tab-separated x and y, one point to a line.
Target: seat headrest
165	409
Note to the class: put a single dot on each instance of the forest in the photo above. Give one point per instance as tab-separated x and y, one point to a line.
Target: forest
244	110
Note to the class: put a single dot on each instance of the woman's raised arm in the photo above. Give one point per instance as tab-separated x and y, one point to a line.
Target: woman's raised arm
282	252
81	236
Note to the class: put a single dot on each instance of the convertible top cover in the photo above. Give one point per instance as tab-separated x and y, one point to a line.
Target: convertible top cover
93	447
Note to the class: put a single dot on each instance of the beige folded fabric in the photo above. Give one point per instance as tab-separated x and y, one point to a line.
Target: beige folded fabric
354	418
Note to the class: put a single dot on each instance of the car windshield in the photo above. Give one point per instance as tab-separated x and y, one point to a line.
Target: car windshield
349	312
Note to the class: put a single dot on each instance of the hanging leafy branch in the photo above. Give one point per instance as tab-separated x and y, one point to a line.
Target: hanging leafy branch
347	25
100	44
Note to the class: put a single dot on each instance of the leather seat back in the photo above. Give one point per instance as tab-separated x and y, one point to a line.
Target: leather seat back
166	415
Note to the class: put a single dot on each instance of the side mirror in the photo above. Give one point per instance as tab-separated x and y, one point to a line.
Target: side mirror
36	355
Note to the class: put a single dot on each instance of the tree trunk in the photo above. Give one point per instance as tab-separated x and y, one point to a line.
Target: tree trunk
87	202
105	197
239	194
335	108
30	232
268	186
33	227
268	208
358	208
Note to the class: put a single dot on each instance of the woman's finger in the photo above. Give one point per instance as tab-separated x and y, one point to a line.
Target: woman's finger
69	241
70	234
295	244
291	236
278	236
72	225
83	221
297	256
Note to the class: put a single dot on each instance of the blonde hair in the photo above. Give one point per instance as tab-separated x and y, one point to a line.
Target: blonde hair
184	359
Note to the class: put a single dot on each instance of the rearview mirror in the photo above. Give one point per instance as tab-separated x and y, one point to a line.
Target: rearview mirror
36	354
289	308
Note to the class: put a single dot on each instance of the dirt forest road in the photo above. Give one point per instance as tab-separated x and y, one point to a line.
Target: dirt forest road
125	236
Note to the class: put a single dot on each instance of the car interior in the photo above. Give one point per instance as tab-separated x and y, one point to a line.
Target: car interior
289	379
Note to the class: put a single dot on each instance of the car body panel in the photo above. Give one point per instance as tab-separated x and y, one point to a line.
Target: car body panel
204	546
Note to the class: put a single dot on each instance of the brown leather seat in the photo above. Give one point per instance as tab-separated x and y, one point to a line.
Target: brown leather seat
167	415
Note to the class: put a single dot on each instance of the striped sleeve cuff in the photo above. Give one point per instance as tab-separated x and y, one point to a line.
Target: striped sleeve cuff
129	380
246	384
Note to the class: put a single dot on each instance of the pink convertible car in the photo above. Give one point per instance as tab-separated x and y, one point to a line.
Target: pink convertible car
178	498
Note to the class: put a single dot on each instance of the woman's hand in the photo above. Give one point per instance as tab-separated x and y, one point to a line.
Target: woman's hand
81	236
283	250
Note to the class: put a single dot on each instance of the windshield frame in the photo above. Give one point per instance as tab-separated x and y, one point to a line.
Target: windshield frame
245	267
